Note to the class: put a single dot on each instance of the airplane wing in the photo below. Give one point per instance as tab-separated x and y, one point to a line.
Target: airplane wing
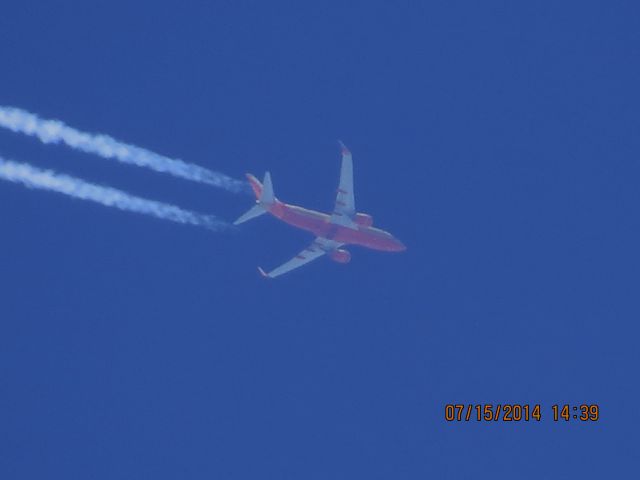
345	207
318	247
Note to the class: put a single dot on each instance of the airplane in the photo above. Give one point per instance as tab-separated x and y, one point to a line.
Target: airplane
344	226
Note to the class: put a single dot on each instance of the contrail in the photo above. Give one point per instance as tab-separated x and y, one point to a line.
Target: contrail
55	131
33	177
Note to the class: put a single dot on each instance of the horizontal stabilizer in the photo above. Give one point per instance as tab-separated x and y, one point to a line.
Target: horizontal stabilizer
255	211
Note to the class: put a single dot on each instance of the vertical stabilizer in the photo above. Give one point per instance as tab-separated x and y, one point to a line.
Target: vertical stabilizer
264	198
267	190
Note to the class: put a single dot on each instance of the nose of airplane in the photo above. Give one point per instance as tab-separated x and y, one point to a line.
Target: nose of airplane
398	245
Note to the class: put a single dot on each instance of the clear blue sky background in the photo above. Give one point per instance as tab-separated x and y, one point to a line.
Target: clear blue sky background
497	139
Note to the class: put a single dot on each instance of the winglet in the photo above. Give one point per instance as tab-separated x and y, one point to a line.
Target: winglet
263	273
343	148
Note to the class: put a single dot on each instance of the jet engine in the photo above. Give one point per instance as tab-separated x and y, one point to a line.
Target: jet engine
363	219
340	256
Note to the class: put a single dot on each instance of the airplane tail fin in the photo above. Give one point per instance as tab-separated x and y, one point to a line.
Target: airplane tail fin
267	195
264	197
264	190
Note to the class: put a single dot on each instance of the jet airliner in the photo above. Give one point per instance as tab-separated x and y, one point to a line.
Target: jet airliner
344	226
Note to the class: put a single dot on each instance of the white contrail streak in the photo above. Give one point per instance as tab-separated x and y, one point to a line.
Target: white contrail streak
55	131
33	177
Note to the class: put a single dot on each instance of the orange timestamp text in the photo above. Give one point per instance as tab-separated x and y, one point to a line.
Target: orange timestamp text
518	412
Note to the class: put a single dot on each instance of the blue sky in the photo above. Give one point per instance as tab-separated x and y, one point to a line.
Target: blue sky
498	140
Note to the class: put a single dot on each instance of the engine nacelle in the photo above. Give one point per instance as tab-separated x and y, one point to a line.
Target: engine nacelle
363	219
340	256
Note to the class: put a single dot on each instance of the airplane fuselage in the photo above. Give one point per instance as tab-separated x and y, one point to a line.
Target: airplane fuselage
321	226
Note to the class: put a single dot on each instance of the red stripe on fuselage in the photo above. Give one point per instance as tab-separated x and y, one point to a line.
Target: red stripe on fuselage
320	225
